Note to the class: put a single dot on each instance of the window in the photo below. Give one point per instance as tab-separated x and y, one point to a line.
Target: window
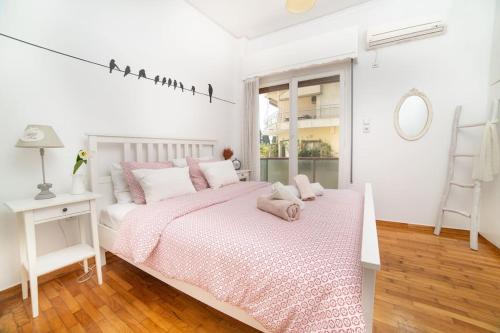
305	128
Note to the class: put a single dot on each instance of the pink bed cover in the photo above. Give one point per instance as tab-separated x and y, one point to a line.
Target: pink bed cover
303	276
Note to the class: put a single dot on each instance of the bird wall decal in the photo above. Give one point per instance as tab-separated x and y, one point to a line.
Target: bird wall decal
113	65
210	92
142	73
156	80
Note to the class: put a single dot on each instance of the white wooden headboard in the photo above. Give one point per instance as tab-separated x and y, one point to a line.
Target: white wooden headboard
107	149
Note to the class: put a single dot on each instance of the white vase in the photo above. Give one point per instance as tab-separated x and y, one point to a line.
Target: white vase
78	186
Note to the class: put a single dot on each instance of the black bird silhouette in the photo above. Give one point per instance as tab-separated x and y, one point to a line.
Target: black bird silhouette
210	91
113	65
175	84
157	79
163	81
127	71
193	89
169	82
182	86
142	73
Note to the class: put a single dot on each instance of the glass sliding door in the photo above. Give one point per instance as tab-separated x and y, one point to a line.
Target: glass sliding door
305	128
274	115
318	129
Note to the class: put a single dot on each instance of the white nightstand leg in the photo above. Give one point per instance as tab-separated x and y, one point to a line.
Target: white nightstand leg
24	282
29	227
83	240
22	255
95	240
103	256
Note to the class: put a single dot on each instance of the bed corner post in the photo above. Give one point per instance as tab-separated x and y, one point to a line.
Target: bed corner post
93	162
92	147
370	257
369	277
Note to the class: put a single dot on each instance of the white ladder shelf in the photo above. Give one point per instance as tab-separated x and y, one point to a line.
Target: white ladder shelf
450	182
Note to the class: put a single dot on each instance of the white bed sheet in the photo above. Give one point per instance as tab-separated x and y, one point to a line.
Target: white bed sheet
113	215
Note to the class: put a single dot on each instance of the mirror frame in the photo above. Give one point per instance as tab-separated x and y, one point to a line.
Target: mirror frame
413	92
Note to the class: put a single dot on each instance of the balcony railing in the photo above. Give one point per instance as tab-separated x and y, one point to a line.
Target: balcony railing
322	112
324	170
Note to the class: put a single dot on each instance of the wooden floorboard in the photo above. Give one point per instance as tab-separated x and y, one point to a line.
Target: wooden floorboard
427	284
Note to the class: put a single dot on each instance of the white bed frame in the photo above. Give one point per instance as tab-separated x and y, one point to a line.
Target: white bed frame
130	148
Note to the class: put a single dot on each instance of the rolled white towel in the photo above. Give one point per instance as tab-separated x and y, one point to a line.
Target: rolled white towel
304	185
317	188
281	192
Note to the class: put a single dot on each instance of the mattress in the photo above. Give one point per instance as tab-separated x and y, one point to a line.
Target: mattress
113	215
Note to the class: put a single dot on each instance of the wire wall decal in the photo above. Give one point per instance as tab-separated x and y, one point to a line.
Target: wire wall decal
114	67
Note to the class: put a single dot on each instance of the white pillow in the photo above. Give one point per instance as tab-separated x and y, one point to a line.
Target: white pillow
219	174
317	188
120	185
160	184
182	162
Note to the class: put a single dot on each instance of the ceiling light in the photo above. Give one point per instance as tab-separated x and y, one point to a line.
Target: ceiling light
299	6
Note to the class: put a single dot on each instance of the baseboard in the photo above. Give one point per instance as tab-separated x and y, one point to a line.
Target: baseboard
445	231
497	246
426	227
422	225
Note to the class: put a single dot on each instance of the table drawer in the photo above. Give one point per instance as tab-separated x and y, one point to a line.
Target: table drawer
59	212
243	176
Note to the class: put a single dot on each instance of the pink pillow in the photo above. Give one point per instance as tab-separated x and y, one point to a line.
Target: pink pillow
135	188
197	177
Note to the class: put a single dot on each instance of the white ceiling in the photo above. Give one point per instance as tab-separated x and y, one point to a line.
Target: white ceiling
254	18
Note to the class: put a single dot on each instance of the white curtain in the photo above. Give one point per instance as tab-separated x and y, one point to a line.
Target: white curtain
250	129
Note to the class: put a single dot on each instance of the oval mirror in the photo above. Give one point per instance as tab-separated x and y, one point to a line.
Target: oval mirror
413	115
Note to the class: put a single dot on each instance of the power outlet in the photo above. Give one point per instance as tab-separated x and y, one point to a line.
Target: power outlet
366	125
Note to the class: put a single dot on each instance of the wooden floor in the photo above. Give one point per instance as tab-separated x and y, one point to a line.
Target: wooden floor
435	284
427	284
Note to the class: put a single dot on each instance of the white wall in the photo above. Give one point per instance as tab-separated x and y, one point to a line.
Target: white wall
167	37
452	69
490	209
322	48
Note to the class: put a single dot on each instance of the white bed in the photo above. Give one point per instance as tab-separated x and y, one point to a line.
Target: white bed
106	149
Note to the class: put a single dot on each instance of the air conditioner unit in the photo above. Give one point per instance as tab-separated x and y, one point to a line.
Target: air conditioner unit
397	34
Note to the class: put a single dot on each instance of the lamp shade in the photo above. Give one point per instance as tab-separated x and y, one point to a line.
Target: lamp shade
39	136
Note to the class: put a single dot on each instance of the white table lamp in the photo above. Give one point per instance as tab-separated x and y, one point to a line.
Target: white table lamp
40	136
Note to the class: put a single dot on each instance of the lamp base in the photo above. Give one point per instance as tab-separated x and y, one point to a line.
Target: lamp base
44	192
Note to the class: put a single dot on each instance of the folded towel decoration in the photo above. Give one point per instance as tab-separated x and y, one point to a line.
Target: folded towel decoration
305	188
318	189
284	209
281	192
487	162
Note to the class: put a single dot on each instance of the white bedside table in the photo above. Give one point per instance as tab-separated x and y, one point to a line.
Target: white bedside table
244	175
32	212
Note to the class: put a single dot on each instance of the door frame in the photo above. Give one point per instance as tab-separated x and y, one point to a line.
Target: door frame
342	69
